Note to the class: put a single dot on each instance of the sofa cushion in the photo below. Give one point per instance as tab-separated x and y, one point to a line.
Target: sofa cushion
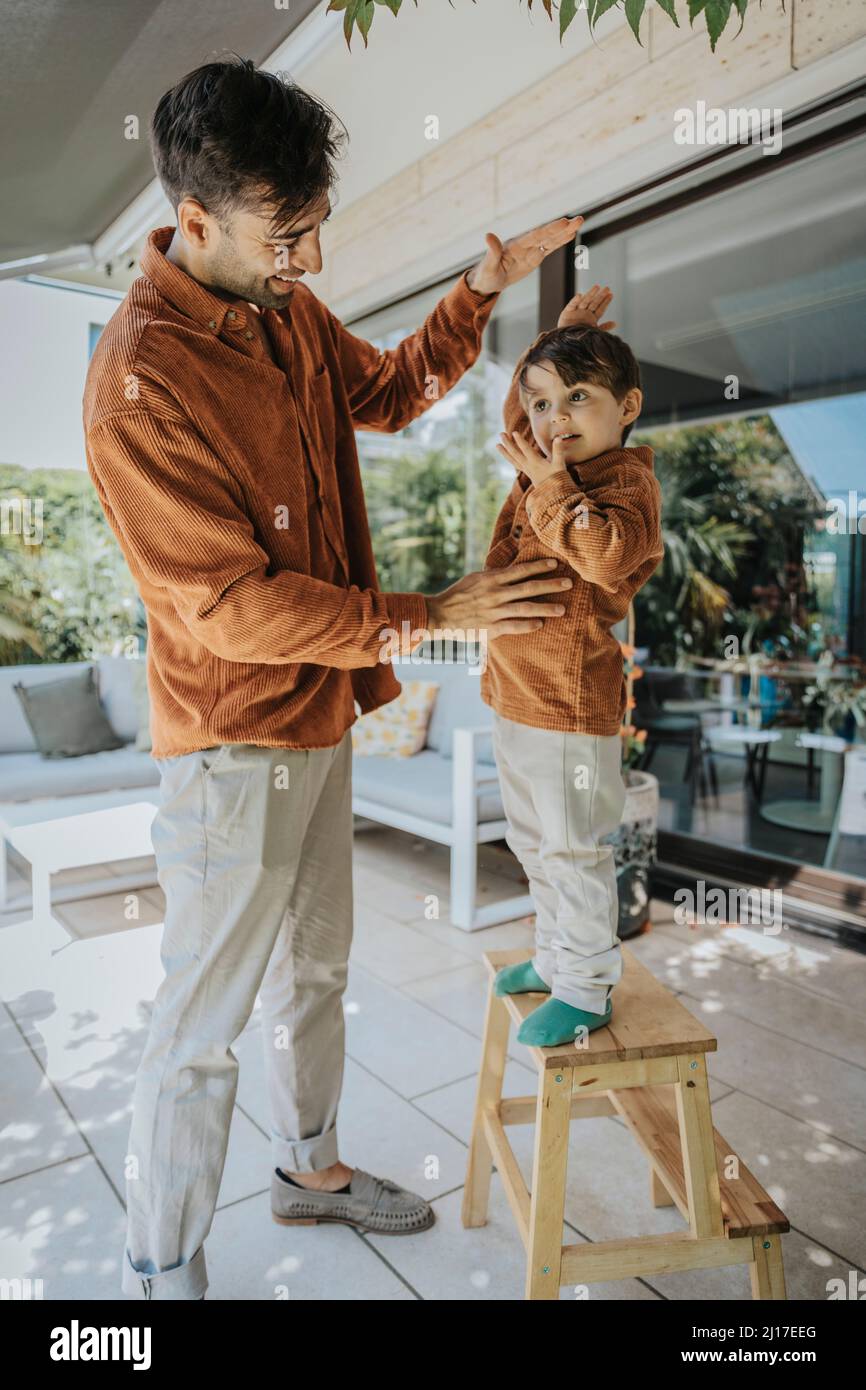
117	678
27	775
16	736
398	729
458	704
66	716
419	786
143	740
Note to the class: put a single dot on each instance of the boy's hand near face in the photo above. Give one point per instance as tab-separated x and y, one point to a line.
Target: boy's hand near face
528	458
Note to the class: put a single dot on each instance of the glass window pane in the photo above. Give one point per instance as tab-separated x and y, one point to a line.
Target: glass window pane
746	312
757	290
434	490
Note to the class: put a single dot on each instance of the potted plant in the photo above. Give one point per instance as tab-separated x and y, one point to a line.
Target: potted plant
636	841
839	705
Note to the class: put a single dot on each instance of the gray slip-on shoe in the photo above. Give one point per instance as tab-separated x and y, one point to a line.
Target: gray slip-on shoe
371	1204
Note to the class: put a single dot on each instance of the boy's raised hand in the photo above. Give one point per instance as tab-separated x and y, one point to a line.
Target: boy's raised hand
588	308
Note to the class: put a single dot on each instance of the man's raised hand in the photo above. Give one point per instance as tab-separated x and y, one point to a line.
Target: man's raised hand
505	264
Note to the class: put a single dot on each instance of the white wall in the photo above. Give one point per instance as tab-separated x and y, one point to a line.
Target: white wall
458	63
44	334
580	124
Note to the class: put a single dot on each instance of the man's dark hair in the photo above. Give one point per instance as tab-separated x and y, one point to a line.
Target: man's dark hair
583	353
237	138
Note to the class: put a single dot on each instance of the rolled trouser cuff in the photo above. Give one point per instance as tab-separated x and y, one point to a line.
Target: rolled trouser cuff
188	1280
306	1155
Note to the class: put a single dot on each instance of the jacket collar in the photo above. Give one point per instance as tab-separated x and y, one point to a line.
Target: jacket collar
190	297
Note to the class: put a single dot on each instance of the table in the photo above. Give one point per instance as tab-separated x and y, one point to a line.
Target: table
76	832
817	817
727	697
756	743
706	706
849	829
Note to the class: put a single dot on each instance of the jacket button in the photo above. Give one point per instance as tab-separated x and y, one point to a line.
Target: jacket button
211	323
518	531
232	314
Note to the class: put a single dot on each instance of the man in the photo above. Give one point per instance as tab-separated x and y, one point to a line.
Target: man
219	414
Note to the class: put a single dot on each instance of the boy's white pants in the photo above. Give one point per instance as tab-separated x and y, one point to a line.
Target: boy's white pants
562	793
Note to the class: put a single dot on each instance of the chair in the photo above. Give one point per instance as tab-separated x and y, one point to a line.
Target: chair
679	730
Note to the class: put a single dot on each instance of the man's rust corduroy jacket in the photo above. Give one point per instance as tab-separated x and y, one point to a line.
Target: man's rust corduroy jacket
230	476
601	519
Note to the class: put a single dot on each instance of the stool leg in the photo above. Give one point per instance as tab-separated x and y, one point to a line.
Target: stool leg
659	1195
699	1152
766	1270
549	1169
480	1164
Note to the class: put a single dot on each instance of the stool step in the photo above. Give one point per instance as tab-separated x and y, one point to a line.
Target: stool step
647	1020
651	1114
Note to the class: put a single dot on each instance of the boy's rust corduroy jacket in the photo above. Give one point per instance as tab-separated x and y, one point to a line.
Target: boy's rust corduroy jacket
231	481
601	520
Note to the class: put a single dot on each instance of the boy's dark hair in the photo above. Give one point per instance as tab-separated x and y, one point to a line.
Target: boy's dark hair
237	138
583	353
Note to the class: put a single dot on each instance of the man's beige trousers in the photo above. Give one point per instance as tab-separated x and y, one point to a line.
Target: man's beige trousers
562	793
254	853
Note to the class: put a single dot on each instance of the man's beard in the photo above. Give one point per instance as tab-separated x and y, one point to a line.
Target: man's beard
229	280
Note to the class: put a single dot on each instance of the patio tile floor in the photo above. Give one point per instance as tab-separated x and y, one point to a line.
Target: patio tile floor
787	1087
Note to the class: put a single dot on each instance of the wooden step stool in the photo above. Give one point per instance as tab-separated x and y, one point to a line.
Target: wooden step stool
649	1066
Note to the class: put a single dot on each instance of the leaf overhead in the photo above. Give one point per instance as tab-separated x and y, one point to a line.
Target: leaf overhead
599	8
567	11
716	13
634	13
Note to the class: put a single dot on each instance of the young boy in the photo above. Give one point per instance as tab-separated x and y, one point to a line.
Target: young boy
558	695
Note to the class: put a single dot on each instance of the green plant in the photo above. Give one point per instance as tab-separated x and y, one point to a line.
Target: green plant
716	13
71	596
833	699
432	506
633	739
735	512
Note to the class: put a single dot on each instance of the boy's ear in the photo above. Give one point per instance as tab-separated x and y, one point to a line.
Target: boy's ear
632	405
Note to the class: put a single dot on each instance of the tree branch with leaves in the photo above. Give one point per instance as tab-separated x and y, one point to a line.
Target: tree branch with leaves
716	13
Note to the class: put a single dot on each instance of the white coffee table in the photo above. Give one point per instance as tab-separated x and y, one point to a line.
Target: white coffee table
75	832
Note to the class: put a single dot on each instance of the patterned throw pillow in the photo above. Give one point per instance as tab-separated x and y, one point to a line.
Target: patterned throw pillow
398	729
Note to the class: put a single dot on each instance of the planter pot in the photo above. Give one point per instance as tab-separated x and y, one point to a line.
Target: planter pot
635	849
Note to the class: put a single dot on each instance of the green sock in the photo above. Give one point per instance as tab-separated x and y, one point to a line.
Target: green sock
555	1022
519	979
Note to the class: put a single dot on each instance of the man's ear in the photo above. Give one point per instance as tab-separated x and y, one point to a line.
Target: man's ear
194	223
632	404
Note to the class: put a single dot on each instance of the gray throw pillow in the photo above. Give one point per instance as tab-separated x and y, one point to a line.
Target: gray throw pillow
65	716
